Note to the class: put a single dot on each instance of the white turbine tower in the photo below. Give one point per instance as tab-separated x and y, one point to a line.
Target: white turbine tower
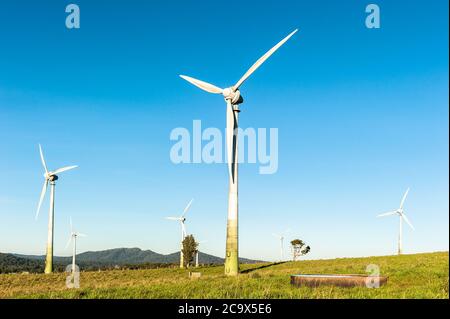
233	98
400	212
198	251
73	238
182	220
50	177
281	237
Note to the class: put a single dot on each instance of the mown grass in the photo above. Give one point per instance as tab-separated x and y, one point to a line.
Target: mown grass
410	276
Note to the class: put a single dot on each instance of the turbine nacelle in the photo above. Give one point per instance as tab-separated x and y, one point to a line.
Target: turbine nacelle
51	177
233	95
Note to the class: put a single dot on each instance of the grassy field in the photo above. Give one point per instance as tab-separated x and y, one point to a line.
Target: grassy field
410	276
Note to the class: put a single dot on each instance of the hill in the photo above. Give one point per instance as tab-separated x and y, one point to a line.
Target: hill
409	276
102	259
10	263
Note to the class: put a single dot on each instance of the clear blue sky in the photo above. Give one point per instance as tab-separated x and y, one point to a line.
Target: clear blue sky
362	115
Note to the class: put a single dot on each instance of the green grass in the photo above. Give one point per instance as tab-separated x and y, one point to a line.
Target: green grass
410	276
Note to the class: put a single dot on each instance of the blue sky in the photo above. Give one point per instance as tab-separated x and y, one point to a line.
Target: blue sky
362	114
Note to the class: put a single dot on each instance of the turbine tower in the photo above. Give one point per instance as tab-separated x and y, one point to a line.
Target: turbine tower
73	238
281	239
400	212
182	219
50	178
197	252
233	98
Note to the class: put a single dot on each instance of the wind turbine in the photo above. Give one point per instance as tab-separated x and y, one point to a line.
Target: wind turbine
182	219
281	239
400	212
73	238
233	98
50	177
197	252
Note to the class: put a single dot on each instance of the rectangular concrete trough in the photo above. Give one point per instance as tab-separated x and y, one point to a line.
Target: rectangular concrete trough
336	280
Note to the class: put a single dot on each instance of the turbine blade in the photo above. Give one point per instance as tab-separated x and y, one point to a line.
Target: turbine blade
81	235
42	158
404	198
408	222
63	169
230	140
41	198
173	218
68	242
187	207
71	226
262	60
387	214
203	85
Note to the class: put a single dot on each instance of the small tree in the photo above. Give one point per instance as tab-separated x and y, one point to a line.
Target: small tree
189	250
299	248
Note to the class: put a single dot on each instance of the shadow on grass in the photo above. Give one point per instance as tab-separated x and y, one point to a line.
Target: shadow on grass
246	271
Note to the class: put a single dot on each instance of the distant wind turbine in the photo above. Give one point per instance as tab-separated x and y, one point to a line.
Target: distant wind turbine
281	239
182	220
73	238
233	98
50	177
400	212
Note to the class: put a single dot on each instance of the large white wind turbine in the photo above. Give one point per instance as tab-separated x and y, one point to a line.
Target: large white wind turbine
73	238
281	237
182	220
50	177
400	212
233	98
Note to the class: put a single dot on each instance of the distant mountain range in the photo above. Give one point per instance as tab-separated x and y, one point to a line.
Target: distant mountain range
101	259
